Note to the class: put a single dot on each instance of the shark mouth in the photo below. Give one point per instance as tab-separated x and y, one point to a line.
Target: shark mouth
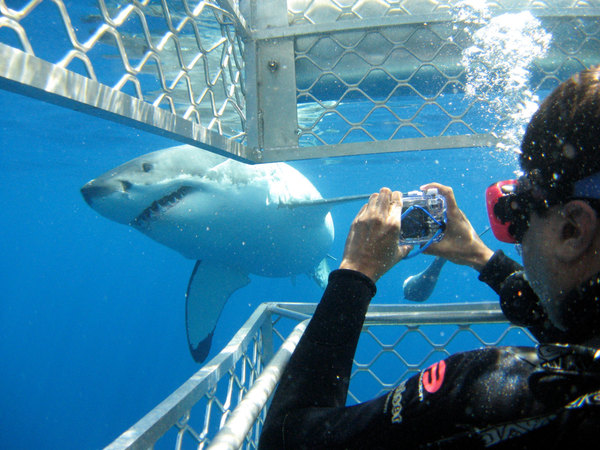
159	207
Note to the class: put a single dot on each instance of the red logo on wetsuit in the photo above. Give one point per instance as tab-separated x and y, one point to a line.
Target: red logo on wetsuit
433	377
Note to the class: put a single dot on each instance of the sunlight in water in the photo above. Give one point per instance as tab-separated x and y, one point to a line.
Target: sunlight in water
497	65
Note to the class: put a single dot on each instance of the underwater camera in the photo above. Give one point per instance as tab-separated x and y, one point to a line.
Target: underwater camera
423	217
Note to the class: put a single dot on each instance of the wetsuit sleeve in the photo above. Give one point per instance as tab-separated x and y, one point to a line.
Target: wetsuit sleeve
318	372
518	301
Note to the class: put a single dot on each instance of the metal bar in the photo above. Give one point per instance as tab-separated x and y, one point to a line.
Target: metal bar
233	433
276	90
431	314
308	29
271	74
347	25
153	425
377	147
28	75
266	331
299	315
326	201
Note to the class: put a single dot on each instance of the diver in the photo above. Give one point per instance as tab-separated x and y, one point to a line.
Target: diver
505	397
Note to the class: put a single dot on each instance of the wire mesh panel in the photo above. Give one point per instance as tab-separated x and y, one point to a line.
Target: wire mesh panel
388	355
224	404
411	75
171	67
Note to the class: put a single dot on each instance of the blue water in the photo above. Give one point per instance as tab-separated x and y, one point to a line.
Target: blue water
92	313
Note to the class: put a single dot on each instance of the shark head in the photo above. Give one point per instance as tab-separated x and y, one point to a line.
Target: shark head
146	187
208	207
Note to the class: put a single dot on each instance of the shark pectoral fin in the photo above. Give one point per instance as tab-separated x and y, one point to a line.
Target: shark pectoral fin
209	288
321	273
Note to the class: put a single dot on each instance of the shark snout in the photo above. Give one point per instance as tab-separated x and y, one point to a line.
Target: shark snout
110	199
90	193
94	189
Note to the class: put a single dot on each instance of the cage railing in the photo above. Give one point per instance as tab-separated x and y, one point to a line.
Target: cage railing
223	405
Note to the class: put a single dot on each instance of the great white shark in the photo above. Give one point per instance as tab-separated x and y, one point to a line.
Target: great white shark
234	219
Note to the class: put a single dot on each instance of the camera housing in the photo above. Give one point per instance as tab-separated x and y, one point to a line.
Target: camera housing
423	217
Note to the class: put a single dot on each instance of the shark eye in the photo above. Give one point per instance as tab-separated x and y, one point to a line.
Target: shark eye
147	167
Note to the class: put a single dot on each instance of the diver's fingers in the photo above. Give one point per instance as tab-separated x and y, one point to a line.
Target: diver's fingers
385	204
395	206
384	198
447	192
403	250
371	203
363	209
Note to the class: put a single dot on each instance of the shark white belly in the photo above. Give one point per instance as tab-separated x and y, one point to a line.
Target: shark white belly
231	217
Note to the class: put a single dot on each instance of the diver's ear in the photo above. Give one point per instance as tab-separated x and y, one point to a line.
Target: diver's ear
578	228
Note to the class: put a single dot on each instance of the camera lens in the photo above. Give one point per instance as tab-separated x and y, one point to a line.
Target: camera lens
415	225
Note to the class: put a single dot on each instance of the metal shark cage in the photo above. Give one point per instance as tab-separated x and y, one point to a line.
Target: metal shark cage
259	81
223	405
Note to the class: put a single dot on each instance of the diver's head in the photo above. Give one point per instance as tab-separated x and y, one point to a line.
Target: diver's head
560	157
557	220
562	143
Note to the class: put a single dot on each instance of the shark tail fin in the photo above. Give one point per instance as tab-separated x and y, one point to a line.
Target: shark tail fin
209	288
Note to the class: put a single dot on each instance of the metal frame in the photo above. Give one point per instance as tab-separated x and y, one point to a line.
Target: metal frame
168	413
26	74
263	89
240	423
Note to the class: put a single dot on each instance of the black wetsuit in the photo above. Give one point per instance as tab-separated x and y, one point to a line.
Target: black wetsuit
508	397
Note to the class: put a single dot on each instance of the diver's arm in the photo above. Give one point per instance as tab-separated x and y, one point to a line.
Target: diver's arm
318	373
518	301
319	370
498	269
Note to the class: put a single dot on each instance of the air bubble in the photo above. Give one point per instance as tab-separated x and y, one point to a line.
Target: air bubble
569	151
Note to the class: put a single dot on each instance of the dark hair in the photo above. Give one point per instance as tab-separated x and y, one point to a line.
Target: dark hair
562	141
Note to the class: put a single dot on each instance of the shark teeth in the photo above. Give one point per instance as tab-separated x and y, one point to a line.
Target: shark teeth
159	207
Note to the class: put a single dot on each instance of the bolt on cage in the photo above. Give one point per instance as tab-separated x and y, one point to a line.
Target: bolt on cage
260	81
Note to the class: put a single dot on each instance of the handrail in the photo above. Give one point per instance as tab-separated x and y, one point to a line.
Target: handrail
244	415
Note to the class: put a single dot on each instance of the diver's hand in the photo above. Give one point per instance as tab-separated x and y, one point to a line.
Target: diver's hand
372	243
460	244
